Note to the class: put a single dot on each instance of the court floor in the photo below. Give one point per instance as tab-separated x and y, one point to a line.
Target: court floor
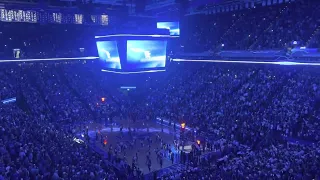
136	141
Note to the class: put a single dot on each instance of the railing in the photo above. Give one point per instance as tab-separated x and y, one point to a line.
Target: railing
266	30
314	34
229	29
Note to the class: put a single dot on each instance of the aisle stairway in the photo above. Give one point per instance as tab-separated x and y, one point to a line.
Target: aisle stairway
76	93
33	83
271	25
238	22
314	38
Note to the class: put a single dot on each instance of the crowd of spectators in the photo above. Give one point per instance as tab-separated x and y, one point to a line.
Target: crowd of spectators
255	107
8	84
263	118
258	28
270	110
277	26
314	42
47	41
34	144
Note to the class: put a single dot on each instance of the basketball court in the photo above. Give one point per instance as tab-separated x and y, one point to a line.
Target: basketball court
135	136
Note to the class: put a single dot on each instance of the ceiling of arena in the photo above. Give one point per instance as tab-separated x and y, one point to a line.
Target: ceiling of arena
153	8
165	2
156	3
157	7
151	4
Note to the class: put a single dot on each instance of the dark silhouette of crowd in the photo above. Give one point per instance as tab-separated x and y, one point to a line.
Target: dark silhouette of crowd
47	40
37	138
275	26
264	119
271	111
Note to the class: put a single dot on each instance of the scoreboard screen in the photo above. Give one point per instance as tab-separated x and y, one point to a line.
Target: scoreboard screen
108	53
146	54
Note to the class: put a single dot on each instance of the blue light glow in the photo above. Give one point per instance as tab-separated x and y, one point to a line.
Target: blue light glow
133	72
135	35
108	52
146	54
249	62
287	63
50	59
172	26
128	87
10	100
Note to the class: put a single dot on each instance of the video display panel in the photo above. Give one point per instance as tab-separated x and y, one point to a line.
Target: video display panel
146	54
172	26
108	52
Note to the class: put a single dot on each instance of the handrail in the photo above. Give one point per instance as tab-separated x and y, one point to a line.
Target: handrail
270	26
312	36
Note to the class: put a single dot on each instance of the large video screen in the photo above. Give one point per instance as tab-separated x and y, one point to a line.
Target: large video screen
172	26
108	52
146	54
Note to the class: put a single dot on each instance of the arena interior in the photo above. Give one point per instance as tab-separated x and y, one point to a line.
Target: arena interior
159	89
